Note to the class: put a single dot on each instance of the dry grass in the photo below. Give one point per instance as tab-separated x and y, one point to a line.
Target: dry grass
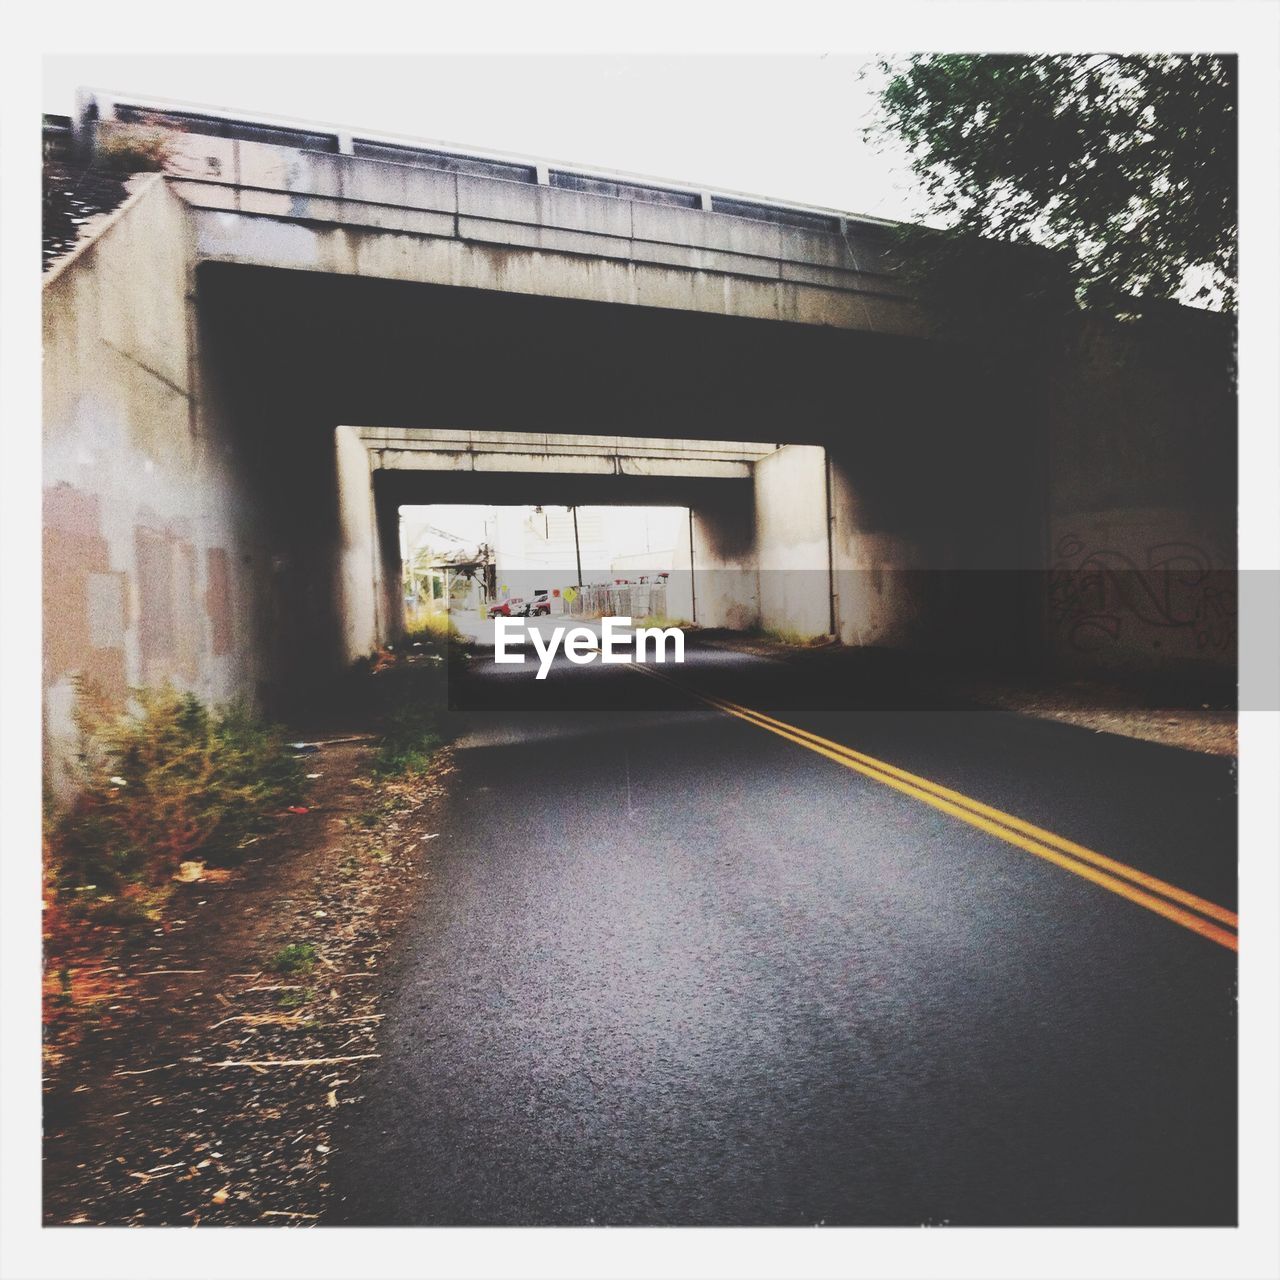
134	149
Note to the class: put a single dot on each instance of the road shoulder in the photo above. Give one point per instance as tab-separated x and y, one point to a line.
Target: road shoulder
190	1080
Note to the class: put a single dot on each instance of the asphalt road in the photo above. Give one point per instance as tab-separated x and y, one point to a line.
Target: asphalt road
671	968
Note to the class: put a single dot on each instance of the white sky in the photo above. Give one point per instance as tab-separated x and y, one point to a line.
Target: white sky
626	530
787	126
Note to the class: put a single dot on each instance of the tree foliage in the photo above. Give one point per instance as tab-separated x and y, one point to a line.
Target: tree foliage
1125	162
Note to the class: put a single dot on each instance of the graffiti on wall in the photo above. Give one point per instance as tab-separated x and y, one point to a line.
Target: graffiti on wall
1101	596
94	608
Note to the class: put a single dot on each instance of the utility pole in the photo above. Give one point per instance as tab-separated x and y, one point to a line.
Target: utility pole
693	593
577	548
833	598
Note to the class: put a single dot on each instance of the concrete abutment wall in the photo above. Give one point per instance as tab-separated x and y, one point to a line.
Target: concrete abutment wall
156	566
716	582
193	528
1140	527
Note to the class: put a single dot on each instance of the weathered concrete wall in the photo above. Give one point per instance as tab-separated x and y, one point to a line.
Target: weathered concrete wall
792	550
390	570
141	547
548	453
1141	527
890	569
714	580
281	207
878	584
936	497
358	559
153	565
202	526
367	608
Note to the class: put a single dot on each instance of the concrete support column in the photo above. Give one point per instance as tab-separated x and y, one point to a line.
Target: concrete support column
389	570
792	543
359	556
878	574
714	581
929	532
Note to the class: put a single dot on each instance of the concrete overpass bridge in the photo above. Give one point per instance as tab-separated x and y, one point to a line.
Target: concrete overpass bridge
230	354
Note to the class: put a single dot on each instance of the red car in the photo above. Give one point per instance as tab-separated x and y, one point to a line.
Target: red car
512	607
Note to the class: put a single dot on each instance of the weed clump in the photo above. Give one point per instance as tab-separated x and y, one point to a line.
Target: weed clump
296	957
437	635
411	697
795	639
436	627
134	149
411	736
169	780
663	620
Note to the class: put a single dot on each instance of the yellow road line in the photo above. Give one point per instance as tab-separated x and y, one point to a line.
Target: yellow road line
1115	876
1202	905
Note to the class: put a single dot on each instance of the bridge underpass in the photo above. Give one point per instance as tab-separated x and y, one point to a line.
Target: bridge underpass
739	965
215	332
885	464
762	549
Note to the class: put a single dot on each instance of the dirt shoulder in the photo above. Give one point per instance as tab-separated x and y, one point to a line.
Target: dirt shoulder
1189	715
194	1076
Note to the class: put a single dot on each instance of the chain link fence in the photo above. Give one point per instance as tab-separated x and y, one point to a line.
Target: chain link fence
619	600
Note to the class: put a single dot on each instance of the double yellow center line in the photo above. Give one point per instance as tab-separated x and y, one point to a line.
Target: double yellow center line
1187	909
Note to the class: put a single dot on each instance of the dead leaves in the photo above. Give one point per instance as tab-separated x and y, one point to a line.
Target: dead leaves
198	873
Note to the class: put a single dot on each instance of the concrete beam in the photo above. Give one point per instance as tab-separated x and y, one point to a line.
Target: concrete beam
555	464
401	449
557	443
268	205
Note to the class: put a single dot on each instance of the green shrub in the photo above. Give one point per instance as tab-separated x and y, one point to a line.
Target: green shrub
297	957
166	781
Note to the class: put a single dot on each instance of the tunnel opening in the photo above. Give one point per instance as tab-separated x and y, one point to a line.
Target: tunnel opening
466	566
846	511
586	525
